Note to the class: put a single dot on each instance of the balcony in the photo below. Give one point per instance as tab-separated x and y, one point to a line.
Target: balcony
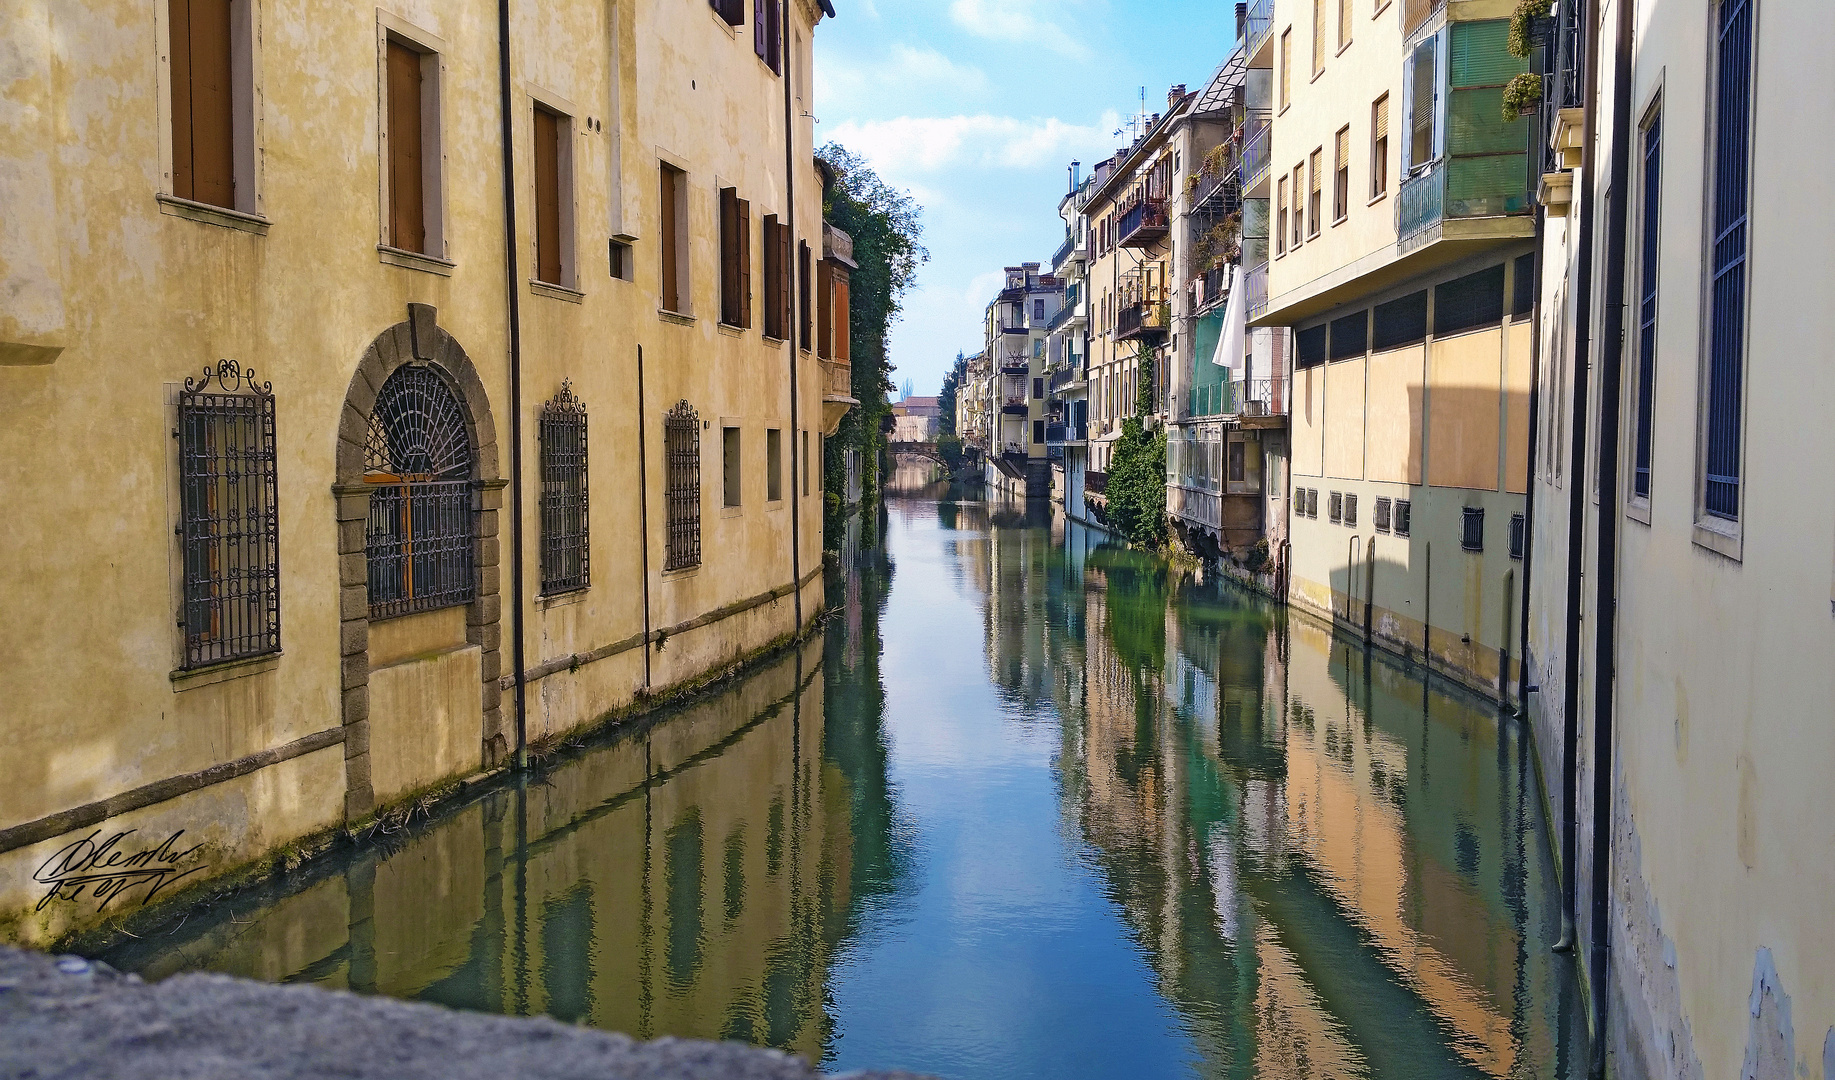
1257	152
1459	190
1095	483
1261	397
1015	365
1255	289
1067	251
1416	13
1259	31
1066	377
1146	320
1068	311
1212	287
1143	224
837	394
1015	406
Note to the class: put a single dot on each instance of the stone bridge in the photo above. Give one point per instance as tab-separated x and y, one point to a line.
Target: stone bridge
917	449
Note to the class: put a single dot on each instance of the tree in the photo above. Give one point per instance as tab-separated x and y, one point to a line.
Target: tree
886	228
946	397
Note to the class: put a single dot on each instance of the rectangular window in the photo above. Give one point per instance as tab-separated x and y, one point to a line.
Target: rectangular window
672	239
768	33
1383	512
1318	37
682	453
1038	431
1336	505
1237	465
562	438
412	135
777	278
212	59
1038	311
1286	67
1341	176
1350	509
825	316
1732	106
1400	322
1470	302
229	531
1312	503
732	11
1517	531
1472	528
553	197
802	292
1299	208
1344	23
1646	372
774	465
729	466
1423	102
1038	388
1403	513
1280	216
805	463
1315	161
619	260
1350	335
1379	146
735	259
1309	346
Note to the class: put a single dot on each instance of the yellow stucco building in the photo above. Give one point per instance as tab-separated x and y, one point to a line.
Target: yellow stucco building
390	388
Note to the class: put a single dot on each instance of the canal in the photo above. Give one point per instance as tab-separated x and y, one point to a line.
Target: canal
1033	805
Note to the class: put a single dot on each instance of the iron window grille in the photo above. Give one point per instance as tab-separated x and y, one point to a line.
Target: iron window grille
1312	503
1382	515
1336	507
1350	509
1516	536
566	565
229	527
1403	516
1727	309
419	461
1470	302
1400	322
1472	531
682	459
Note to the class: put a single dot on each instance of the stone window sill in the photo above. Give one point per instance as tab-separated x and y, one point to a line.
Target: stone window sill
212	215
1721	539
414	260
556	292
192	678
730	330
675	317
561	599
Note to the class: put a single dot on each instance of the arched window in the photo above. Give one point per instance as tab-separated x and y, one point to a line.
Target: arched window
419	459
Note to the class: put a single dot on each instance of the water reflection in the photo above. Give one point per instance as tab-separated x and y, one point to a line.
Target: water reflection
1033	805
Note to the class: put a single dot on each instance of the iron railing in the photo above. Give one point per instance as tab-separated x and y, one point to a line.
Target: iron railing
1142	223
682	495
1259	25
421	528
561	433
229	526
1095	482
1143	319
1257	150
1421	203
1415	14
1255	289
1266	396
1064	251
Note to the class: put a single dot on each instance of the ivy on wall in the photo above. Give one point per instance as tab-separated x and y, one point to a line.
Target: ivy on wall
1137	470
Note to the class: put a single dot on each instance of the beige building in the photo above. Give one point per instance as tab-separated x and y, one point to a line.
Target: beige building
1401	260
1015	331
330	310
1678	635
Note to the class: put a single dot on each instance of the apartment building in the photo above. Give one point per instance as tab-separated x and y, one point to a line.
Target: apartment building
1678	639
1402	263
425	414
1015	331
1067	349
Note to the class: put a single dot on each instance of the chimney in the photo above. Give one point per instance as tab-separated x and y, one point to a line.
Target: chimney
1173	95
1242	21
1076	174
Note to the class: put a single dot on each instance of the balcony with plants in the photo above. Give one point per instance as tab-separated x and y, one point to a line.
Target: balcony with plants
1143	219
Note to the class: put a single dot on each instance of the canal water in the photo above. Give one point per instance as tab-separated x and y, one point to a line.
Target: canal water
1033	805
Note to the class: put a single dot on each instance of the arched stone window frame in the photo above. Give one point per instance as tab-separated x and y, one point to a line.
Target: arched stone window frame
416	340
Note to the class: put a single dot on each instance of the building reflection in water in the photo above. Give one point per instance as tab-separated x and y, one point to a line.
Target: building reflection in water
1327	867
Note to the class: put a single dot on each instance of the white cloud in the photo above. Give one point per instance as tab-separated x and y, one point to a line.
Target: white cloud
921	144
1021	21
904	71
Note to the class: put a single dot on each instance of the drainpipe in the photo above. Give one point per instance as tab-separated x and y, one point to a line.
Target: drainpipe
1605	633
796	499
1369	585
510	280
1529	490
1576	495
643	508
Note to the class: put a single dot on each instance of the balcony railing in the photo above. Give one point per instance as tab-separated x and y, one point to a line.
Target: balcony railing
837	380
1212	400
1067	312
1146	319
1260	397
1095	483
1066	376
1211	286
1255	289
1064	252
1015	365
1415	14
1143	223
1422	202
1260	25
1057	433
1257	150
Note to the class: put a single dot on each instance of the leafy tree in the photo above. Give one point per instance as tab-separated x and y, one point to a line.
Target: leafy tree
1137	471
886	227
946	397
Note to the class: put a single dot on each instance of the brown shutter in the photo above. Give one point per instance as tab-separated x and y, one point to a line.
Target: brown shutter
203	120
742	217
824	311
547	197
668	234
783	285
773	320
729	256
407	219
841	316
803	289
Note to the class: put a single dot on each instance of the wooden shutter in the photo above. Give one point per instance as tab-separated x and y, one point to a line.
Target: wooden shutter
547	196
729	256
743	295
841	315
1318	36
759	44
802	288
774	321
203	120
774	36
824	311
407	217
783	284
668	235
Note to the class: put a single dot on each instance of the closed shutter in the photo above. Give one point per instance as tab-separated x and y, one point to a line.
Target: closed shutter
1379	146
743	219
407	218
547	197
758	27
774	301
783	285
203	123
669	234
1318	36
803	289
841	317
729	256
824	310
1341	191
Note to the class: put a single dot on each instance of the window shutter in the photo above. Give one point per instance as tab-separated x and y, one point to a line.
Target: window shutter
669	236
729	256
1381	119
774	321
758	27
841	318
783	285
407	220
547	197
742	219
203	121
824	310
1318	36
182	182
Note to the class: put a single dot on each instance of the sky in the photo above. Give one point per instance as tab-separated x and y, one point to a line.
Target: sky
977	108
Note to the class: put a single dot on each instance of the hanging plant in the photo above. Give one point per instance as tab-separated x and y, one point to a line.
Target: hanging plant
1216	158
1526	12
1522	95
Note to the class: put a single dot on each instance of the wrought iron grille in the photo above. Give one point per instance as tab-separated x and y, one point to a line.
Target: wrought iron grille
565	551
421	530
1647	310
682	454
1726	345
1472	528
229	526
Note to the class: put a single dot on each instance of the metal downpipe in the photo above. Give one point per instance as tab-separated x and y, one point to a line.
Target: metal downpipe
511	274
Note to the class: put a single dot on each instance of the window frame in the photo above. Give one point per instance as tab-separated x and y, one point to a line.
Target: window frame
563	460
1315	192
774	464
1286	68
735	259
673	246
681	488
563	115
1379	148
392	30
440	494
1642	428
732	465
1280	217
246	208
1341	175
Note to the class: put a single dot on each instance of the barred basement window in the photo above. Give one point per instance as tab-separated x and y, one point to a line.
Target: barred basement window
1472	533
229	528
1516	536
1382	514
1350	509
565	551
682	459
421	529
1403	512
1337	507
1312	503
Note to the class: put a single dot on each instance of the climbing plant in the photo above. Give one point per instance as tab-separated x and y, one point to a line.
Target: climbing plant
1137	470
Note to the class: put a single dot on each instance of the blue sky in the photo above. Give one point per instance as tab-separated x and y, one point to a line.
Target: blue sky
977	107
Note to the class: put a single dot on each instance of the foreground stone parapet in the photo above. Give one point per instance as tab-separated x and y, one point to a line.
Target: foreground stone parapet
70	1018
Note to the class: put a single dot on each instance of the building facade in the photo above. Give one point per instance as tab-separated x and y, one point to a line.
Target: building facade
430	415
1016	329
1067	348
